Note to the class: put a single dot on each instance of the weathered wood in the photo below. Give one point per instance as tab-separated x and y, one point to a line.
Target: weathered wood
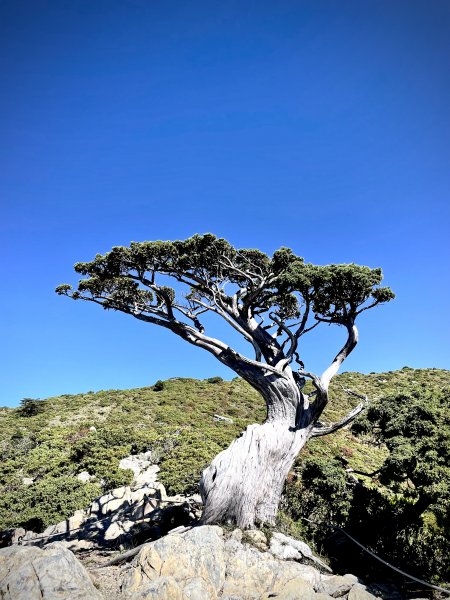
244	483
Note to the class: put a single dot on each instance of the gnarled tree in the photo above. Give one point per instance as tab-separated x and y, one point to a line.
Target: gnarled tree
272	302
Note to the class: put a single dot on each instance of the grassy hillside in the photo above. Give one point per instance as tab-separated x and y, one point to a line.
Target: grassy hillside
52	440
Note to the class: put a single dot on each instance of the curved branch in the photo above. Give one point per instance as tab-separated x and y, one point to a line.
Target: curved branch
264	344
343	353
229	313
226	307
188	314
294	337
270	348
316	381
246	275
248	298
320	429
259	365
358	312
286	330
220	350
249	262
160	318
221	311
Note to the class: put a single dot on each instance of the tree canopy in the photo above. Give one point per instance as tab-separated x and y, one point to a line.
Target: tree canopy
253	292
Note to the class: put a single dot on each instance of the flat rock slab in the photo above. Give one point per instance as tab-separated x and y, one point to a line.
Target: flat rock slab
29	573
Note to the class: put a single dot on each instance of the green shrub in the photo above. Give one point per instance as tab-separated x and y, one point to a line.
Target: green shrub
399	509
100	454
181	467
45	502
215	380
320	494
30	407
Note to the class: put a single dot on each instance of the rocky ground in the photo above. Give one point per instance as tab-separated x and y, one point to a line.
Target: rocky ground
202	563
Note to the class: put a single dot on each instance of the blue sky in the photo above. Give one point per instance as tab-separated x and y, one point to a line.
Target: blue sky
323	126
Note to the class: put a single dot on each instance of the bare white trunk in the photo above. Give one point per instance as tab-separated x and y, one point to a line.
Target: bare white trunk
244	483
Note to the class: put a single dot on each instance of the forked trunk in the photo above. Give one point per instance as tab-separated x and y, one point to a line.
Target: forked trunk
244	483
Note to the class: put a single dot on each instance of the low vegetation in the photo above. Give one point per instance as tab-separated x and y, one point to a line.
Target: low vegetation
386	480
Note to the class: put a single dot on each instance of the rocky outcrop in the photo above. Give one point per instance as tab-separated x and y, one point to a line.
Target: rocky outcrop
359	592
204	564
121	516
337	586
51	574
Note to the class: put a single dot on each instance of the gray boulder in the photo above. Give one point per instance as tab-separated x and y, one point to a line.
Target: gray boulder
257	539
202	564
285	547
84	476
336	586
359	592
178	559
29	573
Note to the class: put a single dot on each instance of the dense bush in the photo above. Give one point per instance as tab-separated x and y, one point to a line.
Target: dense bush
215	380
319	494
400	510
48	501
181	467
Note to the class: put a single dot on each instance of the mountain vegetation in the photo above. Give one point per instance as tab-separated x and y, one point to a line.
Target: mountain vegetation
386	479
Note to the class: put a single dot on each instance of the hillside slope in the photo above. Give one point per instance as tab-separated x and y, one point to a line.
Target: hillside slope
45	444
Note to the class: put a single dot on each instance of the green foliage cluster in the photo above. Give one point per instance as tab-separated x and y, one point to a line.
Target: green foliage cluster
49	500
320	494
415	427
29	407
214	380
182	466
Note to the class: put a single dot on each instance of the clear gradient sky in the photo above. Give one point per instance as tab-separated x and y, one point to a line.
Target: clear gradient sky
322	125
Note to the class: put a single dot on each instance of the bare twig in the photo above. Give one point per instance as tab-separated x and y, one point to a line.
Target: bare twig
321	429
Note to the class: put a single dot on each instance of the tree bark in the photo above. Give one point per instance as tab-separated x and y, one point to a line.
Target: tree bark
244	483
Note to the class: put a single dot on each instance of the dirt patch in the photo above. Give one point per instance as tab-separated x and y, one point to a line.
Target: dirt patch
107	580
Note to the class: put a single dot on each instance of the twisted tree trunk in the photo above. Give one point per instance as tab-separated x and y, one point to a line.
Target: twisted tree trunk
244	483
